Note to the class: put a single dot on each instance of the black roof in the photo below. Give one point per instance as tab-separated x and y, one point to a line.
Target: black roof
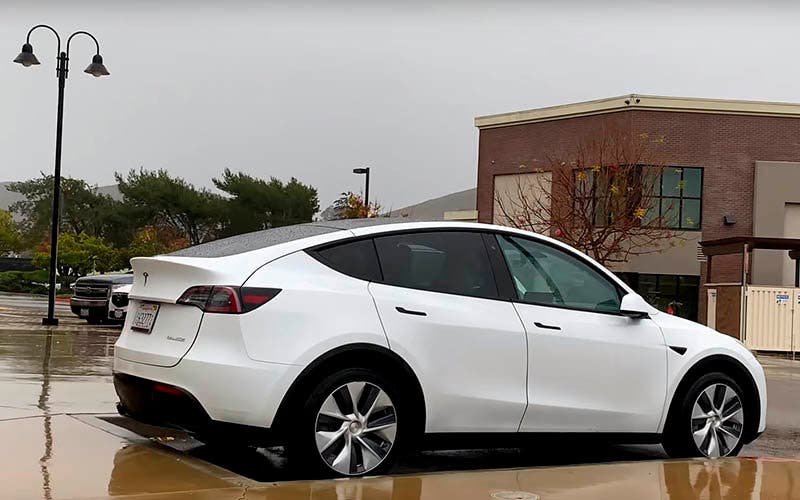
262	239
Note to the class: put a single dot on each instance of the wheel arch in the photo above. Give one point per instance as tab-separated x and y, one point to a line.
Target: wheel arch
359	355
734	369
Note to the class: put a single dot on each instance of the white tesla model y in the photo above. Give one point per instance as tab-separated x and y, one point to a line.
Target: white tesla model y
349	341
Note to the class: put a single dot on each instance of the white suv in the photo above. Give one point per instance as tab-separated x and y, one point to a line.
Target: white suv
349	341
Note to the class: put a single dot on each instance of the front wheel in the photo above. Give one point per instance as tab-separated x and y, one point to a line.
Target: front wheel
709	421
350	425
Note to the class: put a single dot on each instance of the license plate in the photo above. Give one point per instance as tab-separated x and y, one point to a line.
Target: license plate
84	311
144	317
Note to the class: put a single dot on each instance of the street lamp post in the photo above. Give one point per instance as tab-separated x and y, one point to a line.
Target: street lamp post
97	69
364	171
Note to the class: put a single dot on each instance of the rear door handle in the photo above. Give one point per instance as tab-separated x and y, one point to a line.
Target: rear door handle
547	327
411	312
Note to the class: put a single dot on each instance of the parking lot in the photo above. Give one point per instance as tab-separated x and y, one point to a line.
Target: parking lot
58	400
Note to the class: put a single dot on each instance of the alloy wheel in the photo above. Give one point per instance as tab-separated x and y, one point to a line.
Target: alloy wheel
717	420
356	428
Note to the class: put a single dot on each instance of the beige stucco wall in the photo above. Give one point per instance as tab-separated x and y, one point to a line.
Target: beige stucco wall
507	190
676	257
777	183
461	215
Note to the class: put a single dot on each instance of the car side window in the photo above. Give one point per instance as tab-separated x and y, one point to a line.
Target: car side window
354	258
548	276
441	261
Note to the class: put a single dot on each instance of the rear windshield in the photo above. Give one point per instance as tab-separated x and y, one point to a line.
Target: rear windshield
253	241
275	236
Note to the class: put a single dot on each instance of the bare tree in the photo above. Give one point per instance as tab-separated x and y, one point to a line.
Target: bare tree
602	199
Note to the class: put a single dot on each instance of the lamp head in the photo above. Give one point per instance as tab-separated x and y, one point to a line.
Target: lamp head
26	57
97	68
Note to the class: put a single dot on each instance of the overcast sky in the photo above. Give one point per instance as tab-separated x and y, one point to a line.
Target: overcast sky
314	89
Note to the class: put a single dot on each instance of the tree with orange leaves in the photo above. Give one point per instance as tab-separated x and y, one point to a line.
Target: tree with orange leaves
351	206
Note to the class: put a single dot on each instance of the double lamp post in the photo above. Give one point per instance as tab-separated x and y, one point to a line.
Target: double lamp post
97	69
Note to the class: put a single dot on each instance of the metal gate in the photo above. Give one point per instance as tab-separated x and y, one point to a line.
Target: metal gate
772	318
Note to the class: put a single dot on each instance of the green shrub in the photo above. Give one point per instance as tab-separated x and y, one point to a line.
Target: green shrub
24	281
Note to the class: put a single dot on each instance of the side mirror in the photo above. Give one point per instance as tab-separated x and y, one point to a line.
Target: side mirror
634	306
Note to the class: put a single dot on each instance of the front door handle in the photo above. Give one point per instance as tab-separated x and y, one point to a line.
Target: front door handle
409	311
547	327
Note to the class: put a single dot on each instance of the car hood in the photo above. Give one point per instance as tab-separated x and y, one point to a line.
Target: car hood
123	289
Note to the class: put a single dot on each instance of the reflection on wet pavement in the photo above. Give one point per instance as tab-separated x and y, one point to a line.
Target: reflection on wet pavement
82	461
58	372
62	457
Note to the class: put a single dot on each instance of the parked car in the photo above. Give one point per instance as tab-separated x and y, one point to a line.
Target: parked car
101	298
349	341
118	303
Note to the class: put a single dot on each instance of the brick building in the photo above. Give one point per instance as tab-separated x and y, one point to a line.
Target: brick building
739	163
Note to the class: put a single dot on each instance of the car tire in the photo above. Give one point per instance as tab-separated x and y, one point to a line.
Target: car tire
708	420
352	424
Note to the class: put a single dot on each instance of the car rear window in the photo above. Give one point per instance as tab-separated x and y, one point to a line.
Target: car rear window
253	241
443	261
262	239
353	258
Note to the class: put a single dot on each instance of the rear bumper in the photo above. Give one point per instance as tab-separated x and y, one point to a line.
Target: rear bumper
225	384
96	308
153	403
139	398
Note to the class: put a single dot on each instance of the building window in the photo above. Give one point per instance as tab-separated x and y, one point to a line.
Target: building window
673	294
608	193
678	200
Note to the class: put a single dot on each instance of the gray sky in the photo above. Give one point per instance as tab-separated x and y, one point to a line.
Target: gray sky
314	89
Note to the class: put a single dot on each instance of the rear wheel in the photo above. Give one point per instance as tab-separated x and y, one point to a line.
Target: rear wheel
351	425
709	421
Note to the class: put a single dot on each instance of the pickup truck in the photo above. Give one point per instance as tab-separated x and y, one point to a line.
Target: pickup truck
101	298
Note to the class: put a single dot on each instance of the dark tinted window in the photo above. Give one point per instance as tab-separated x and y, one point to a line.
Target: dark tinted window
275	236
450	262
355	258
253	241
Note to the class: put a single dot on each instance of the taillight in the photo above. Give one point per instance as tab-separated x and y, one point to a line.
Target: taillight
253	297
223	299
227	299
196	296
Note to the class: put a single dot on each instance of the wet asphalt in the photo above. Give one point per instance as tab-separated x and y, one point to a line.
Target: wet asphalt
62	439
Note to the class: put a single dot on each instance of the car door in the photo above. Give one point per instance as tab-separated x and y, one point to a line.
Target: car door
441	311
591	369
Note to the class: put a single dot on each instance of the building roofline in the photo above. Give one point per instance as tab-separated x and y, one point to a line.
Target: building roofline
639	102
